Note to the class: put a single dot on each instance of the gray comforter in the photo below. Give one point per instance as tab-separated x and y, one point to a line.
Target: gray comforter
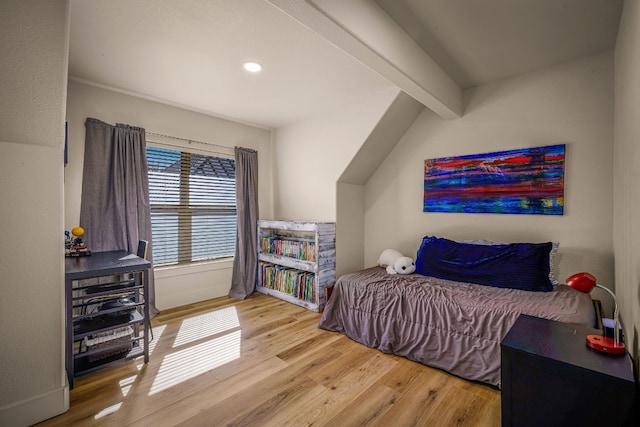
454	326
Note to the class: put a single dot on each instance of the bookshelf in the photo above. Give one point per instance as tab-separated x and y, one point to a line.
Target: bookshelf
296	261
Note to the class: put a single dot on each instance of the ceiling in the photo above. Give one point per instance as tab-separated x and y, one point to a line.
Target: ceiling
321	54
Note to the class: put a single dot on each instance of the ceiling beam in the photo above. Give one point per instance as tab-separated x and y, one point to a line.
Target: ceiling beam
364	31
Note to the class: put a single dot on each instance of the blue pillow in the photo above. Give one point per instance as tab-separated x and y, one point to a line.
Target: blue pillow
514	265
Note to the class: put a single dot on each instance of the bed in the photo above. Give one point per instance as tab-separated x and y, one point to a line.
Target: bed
449	324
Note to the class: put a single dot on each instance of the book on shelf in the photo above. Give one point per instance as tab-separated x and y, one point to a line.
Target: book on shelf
300	249
297	283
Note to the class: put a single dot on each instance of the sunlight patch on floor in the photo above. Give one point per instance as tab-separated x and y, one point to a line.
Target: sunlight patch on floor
125	387
126	384
183	365
106	411
157	333
206	325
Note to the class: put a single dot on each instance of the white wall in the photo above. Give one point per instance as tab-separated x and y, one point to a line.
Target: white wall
626	202
175	286
396	120
310	156
34	40
571	104
349	228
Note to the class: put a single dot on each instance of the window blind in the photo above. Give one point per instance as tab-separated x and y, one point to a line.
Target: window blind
193	206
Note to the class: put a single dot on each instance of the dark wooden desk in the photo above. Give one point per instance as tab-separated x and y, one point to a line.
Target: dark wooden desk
97	265
551	378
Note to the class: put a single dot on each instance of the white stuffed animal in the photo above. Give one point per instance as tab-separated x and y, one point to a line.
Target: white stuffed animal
396	263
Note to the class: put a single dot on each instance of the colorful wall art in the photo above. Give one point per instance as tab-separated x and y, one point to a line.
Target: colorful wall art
523	181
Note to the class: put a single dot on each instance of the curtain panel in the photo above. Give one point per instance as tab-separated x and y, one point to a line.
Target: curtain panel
115	210
245	263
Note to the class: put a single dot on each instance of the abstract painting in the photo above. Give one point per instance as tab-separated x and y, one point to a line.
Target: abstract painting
522	181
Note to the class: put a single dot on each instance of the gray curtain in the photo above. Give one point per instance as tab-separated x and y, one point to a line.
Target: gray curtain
245	263
115	210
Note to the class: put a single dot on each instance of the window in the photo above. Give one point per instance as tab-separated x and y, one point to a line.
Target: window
193	206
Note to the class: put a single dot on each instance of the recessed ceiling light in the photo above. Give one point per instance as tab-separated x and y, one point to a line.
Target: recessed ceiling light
252	67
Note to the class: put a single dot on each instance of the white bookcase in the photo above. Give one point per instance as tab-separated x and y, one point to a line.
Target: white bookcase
296	261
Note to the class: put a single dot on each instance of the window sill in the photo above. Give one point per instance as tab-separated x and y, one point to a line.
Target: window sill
200	267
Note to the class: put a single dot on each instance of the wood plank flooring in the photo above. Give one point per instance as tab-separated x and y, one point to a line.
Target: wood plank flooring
264	362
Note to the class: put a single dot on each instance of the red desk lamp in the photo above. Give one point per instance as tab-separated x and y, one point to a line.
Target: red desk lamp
585	282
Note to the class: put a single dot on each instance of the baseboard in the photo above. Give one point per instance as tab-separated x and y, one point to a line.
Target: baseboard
35	409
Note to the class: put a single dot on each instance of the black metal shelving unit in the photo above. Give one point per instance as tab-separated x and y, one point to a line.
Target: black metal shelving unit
107	310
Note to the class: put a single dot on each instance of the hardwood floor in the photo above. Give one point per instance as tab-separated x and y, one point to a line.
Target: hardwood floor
264	362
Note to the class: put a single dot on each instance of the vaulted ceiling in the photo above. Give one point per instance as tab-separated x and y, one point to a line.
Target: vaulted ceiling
320	54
